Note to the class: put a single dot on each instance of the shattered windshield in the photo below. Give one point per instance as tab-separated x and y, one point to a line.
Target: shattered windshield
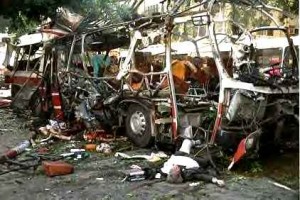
266	57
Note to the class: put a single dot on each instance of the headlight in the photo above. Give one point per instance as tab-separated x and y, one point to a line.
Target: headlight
249	142
252	139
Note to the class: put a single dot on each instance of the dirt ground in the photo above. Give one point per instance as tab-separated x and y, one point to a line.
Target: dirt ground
100	177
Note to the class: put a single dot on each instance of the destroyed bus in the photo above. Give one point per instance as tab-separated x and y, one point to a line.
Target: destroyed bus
29	64
226	87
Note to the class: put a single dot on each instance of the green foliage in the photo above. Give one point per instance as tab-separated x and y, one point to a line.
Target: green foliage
287	5
249	17
22	24
108	10
256	167
3	24
26	14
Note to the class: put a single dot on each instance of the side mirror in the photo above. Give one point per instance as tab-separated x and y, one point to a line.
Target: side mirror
201	19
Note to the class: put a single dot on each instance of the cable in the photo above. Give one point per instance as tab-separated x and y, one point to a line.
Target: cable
207	148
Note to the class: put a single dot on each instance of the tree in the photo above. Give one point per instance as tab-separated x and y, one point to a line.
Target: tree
25	15
287	5
3	24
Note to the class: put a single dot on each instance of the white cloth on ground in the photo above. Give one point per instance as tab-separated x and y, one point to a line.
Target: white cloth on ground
185	161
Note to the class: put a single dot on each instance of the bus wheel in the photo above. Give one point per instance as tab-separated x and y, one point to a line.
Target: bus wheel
138	125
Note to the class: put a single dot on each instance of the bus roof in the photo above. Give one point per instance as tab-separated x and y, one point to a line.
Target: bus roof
204	47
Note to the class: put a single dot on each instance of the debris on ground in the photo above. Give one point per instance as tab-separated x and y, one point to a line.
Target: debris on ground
4	103
153	157
57	168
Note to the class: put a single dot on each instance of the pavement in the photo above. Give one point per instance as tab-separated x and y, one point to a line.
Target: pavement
101	177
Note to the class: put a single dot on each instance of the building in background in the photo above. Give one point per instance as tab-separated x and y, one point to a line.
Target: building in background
152	6
187	29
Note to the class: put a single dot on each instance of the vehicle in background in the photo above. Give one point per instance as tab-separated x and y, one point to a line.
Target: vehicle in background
5	89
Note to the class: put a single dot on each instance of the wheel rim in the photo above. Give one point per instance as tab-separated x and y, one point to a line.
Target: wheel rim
138	123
